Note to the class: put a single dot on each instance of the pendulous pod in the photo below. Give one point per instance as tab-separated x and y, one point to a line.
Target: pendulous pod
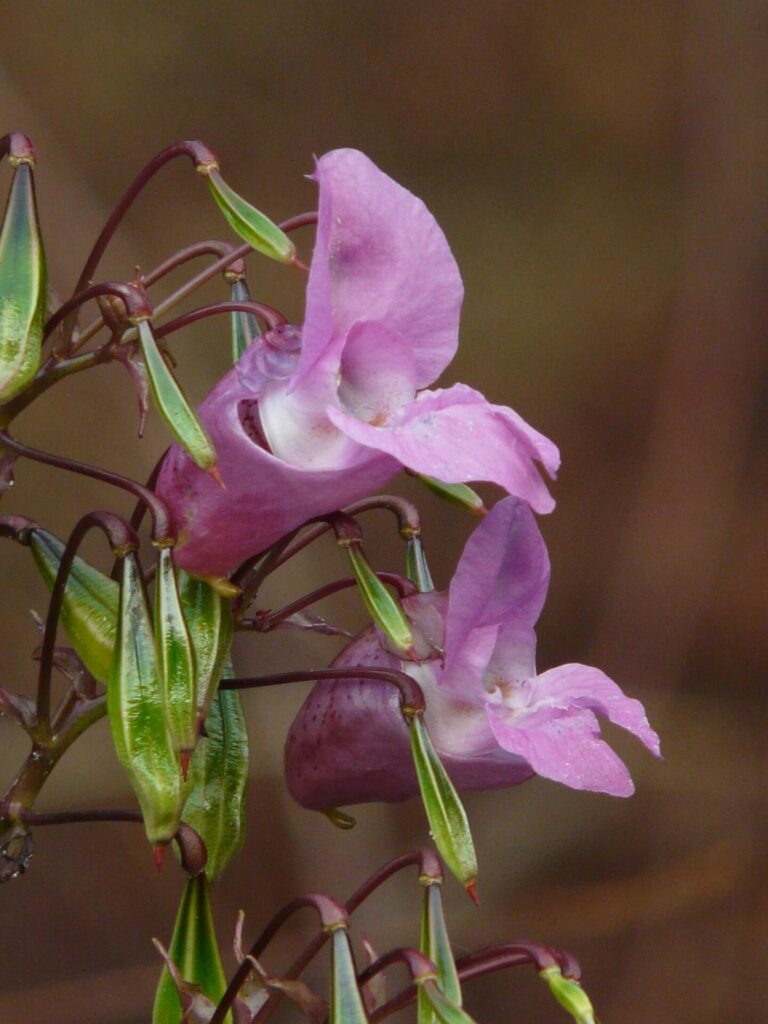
23	287
89	608
215	806
209	620
137	711
177	659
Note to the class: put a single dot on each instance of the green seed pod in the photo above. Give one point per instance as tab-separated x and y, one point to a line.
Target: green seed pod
245	326
195	952
416	568
382	606
248	222
347	1005
89	608
137	712
215	806
436	945
177	660
209	620
173	406
445	812
23	287
456	494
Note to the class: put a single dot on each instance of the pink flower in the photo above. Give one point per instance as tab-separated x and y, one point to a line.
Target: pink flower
494	721
314	418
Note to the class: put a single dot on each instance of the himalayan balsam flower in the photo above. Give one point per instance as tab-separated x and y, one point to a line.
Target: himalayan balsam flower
313	418
493	720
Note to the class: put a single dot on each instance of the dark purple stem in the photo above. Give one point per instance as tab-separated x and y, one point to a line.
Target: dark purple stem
271	317
212	247
429	868
412	699
200	155
419	966
122	539
403	586
161	526
136	302
332	915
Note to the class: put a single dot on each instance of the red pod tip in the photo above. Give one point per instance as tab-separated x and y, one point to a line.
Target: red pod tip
159	855
471	888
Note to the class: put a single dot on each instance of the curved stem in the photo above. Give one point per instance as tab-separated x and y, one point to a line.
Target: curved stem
429	867
136	302
200	155
419	966
271	317
412	699
403	586
161	525
122	539
332	915
211	247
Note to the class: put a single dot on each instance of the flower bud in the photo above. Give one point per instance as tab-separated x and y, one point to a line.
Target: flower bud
22	286
248	222
569	993
172	404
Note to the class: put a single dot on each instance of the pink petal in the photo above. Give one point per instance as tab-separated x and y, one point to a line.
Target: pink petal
563	747
378	372
379	255
580	686
502	575
457	436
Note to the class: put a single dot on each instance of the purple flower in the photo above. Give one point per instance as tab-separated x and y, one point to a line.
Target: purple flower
492	719
314	418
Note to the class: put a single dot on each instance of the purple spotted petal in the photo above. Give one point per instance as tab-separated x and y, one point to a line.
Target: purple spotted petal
379	255
580	686
563	746
457	436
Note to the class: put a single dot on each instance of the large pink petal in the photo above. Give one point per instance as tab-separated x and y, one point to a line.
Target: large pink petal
457	436
502	576
564	747
580	686
379	255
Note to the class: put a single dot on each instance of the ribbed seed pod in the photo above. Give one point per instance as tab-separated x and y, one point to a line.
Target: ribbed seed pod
23	286
89	608
209	620
137	711
215	805
177	660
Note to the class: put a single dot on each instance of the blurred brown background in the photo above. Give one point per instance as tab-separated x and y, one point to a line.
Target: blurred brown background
600	170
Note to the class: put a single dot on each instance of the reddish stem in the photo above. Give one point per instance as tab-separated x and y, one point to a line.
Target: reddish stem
136	302
271	317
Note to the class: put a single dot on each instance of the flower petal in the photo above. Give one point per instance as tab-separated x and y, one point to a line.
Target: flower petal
378	372
502	576
457	436
580	686
565	747
379	255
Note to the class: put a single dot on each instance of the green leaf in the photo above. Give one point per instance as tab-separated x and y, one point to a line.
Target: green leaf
445	812
249	223
137	715
437	946
172	405
347	1005
195	952
215	806
382	606
23	288
89	608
